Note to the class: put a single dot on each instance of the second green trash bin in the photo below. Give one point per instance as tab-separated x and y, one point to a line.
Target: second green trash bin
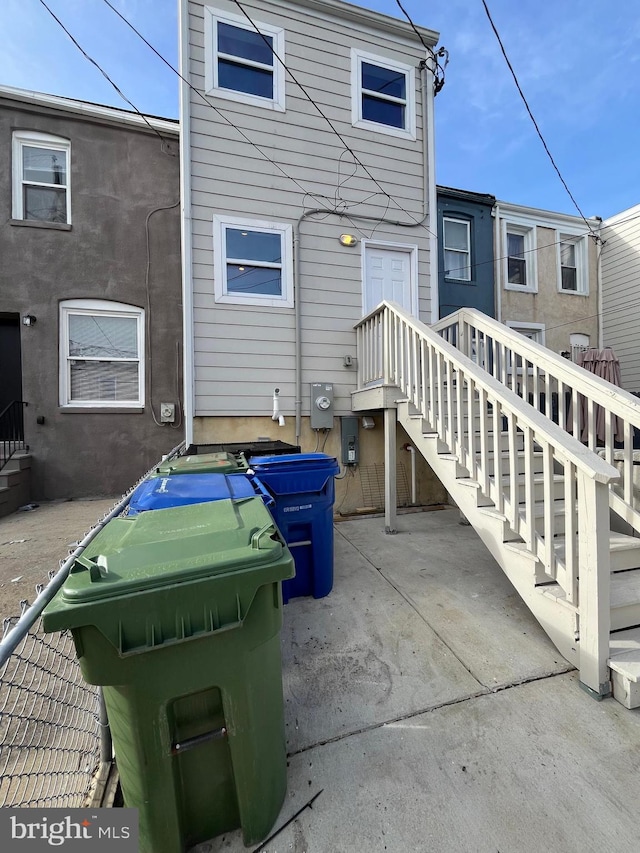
177	613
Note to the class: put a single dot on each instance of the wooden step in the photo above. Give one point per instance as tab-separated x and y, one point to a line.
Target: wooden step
624	663
537	462
625	600
538	487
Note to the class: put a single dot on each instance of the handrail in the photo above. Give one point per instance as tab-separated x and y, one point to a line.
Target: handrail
603	416
518	457
11	430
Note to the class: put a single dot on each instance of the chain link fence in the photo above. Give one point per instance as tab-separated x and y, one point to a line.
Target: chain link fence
54	737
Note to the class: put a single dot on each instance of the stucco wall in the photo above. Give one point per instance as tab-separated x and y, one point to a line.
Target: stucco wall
561	313
118	176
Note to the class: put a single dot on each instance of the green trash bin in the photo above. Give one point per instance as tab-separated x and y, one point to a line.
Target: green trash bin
177	614
203	463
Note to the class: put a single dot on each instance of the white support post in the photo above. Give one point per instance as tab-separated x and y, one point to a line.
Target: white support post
390	491
594	586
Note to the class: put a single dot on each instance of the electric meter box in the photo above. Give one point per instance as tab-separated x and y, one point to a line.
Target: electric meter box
321	407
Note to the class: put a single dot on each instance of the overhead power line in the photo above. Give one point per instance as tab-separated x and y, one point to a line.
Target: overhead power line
531	116
437	70
339	210
346	146
106	76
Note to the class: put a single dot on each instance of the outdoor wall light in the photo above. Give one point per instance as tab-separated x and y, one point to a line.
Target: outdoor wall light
367	422
348	240
28	320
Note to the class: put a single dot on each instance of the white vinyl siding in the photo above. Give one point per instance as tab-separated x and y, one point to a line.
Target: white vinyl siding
620	300
101	354
241	352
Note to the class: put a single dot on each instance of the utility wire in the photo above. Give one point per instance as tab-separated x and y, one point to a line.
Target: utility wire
328	120
438	70
531	116
253	144
106	76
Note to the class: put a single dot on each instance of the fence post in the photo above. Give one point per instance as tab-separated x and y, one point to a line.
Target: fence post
390	490
594	586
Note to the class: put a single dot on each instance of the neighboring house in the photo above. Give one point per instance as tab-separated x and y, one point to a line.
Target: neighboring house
620	292
90	302
309	197
465	251
547	276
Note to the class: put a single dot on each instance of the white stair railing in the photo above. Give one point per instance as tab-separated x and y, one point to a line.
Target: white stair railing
602	416
471	411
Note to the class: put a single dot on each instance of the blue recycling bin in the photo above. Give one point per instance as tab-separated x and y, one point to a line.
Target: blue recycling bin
183	489
303	489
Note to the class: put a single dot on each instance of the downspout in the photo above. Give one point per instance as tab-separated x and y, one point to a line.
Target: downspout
186	232
497	261
599	247
429	202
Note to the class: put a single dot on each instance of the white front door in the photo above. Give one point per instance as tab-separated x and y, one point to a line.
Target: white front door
389	273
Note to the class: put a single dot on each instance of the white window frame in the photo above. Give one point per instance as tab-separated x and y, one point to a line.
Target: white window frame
462	268
211	18
33	139
527	231
581	255
94	307
220	224
357	58
578	343
523	327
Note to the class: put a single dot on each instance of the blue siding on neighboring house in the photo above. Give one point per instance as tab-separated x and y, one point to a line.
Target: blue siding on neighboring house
470	285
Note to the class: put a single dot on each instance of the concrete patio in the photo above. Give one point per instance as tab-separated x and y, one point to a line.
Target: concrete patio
431	711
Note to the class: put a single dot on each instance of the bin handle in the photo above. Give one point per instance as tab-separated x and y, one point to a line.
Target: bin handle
262	532
90	564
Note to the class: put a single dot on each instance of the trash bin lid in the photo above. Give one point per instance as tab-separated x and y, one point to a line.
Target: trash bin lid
174	546
202	463
181	489
294	462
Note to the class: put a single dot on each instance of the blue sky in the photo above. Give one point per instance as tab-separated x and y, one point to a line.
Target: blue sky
578	62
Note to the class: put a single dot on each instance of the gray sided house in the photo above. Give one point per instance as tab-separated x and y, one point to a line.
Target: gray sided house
90	301
621	294
465	251
309	198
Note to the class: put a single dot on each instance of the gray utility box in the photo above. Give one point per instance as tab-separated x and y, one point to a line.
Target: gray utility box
321	405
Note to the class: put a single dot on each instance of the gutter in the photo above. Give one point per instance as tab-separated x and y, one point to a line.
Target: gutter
186	226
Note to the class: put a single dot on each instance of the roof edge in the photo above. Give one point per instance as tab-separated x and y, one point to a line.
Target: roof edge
89	110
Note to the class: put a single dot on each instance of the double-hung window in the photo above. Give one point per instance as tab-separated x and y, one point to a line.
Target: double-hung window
242	63
41	178
253	262
101	354
457	249
520	268
572	264
383	95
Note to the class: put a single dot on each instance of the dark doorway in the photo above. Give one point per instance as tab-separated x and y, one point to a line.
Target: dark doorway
10	360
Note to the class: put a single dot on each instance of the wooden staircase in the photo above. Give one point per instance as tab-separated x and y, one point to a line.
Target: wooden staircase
538	498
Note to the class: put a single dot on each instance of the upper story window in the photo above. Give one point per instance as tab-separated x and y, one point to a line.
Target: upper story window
101	354
572	265
457	249
253	262
520	271
242	64
382	95
41	191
